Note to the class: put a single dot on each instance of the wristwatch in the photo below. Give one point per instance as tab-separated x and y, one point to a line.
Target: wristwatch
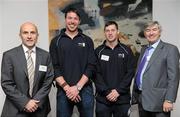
78	87
168	101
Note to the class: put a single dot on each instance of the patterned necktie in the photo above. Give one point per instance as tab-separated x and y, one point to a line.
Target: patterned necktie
30	68
141	66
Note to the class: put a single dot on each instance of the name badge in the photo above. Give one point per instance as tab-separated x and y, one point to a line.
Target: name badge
105	57
42	68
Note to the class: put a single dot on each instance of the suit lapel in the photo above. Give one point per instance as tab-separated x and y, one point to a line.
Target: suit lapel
155	55
38	62
22	59
141	56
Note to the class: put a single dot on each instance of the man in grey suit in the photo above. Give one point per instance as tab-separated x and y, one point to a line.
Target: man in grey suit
26	97
157	76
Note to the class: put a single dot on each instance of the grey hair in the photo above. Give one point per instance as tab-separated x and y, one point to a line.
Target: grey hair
152	23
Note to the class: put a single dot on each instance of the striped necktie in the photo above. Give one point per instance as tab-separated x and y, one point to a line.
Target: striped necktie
30	68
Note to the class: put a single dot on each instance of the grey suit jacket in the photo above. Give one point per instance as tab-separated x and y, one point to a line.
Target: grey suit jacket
161	77
14	81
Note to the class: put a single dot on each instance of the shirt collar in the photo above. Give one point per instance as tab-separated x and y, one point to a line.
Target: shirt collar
104	43
155	44
62	32
26	49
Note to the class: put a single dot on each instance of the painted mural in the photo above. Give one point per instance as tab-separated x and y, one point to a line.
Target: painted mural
129	14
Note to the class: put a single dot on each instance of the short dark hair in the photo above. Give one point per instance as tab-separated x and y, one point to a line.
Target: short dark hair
111	23
74	10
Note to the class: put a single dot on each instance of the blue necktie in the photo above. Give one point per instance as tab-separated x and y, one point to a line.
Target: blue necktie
141	66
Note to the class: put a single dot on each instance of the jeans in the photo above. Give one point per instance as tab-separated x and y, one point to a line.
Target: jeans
117	110
85	106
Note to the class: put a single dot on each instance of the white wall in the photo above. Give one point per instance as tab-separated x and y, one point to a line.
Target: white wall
15	12
1	92
1	95
167	13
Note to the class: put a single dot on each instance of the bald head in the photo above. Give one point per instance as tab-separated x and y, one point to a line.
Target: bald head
28	24
29	34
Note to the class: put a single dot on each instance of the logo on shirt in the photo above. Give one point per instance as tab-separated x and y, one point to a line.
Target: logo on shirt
81	44
121	55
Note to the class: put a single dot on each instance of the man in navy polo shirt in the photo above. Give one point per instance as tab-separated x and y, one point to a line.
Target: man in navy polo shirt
74	61
115	70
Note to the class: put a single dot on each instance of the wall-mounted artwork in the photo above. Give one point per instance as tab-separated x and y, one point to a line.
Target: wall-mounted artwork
129	14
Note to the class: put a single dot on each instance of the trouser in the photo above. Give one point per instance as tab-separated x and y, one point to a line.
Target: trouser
117	110
85	106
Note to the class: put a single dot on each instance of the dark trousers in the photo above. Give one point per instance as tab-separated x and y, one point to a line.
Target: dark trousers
117	110
144	113
85	106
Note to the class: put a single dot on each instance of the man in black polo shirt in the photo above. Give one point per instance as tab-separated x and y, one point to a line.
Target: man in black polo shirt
74	61
115	70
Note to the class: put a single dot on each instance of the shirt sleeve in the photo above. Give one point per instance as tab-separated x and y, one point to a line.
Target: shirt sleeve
91	61
9	85
56	60
100	84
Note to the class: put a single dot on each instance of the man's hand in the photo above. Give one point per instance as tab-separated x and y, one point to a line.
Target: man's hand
77	99
167	106
113	95
31	106
73	94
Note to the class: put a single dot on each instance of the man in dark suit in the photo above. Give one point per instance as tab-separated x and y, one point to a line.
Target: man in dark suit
157	76
26	97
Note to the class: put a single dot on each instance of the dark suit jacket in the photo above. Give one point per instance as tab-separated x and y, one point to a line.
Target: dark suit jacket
14	81
160	79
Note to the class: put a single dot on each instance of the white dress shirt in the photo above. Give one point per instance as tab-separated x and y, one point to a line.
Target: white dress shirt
151	51
33	54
